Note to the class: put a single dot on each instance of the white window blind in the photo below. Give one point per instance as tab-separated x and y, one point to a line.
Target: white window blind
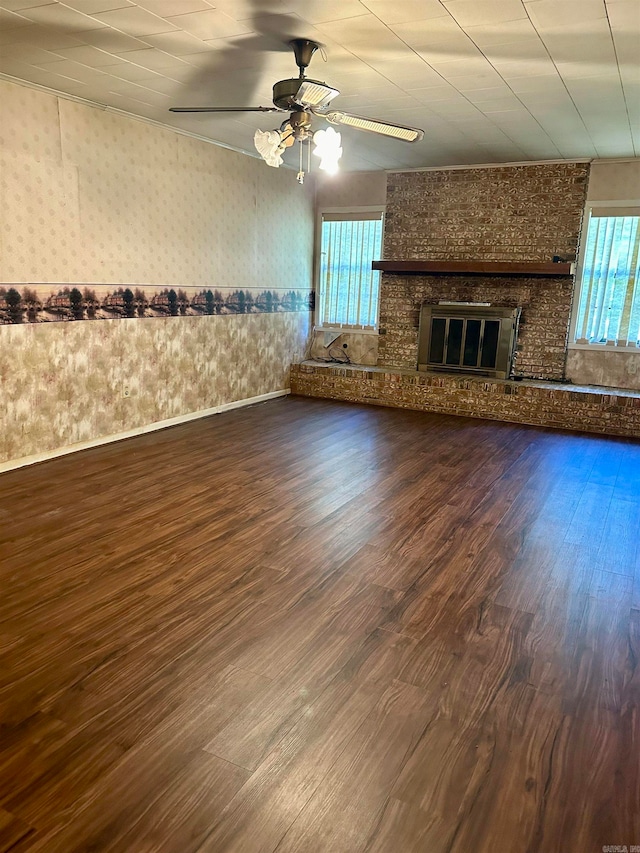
609	305
348	287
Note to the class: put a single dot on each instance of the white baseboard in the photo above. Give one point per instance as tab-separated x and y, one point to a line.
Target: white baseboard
131	433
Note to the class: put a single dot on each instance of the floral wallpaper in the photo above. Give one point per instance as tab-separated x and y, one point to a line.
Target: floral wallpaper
61	385
98	203
92	196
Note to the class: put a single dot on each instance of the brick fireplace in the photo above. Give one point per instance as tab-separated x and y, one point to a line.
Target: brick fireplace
511	218
519	214
544	321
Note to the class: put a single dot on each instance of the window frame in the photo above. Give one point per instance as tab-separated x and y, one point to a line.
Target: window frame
352	209
613	205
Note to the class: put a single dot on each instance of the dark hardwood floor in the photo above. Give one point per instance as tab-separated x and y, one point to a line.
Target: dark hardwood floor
310	626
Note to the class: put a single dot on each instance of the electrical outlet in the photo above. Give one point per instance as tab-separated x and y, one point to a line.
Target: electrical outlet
126	391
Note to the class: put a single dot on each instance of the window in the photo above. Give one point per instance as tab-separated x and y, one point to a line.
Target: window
348	287
609	304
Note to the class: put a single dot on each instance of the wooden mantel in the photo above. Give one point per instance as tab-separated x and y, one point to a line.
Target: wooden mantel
475	267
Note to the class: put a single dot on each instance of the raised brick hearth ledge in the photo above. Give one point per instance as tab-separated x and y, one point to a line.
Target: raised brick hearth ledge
549	404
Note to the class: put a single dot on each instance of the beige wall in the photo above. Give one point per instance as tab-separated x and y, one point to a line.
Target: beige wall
352	189
608	181
614	181
88	196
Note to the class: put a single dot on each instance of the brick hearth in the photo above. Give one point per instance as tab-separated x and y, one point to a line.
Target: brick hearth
614	412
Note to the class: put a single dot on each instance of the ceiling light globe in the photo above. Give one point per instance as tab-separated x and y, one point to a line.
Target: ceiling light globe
328	149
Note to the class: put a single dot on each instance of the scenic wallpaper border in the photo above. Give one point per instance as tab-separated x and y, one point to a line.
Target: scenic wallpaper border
46	303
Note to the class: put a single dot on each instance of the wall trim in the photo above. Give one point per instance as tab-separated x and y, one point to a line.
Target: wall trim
492	165
12	464
620	349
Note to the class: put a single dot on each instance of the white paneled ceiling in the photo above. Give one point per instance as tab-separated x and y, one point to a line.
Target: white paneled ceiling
487	80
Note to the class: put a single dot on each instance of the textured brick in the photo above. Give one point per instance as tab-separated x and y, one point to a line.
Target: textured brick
545	303
528	402
520	213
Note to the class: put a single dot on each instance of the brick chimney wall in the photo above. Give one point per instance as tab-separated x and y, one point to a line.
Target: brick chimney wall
518	213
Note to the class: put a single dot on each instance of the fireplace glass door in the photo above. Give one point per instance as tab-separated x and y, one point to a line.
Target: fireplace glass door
468	339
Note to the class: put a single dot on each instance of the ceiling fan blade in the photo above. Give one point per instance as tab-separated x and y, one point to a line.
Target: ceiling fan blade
225	110
385	128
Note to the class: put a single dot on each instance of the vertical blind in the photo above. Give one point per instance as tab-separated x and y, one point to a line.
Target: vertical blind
609	306
349	288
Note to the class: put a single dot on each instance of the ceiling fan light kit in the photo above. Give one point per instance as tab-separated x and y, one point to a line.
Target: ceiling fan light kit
269	145
305	99
328	149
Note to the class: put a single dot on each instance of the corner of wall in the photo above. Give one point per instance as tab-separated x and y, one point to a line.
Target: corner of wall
97	200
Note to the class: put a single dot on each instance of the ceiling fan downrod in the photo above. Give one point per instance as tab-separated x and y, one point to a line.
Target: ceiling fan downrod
303	50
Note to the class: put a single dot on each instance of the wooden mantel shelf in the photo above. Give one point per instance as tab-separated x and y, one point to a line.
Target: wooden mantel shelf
475	267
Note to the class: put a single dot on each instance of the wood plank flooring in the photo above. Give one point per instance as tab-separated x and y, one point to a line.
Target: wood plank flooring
310	626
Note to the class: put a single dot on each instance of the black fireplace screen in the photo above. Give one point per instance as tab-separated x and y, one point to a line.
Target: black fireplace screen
468	338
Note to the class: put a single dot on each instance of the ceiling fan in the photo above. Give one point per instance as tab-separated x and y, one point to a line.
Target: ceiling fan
304	99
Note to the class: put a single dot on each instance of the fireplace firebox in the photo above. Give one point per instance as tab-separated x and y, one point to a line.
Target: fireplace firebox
468	338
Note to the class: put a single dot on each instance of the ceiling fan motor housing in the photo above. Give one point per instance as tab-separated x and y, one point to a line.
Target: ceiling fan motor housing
284	93
298	93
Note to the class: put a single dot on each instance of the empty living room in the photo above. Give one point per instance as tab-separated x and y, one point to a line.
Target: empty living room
319	426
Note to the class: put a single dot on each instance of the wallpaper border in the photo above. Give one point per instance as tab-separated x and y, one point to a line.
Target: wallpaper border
22	303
